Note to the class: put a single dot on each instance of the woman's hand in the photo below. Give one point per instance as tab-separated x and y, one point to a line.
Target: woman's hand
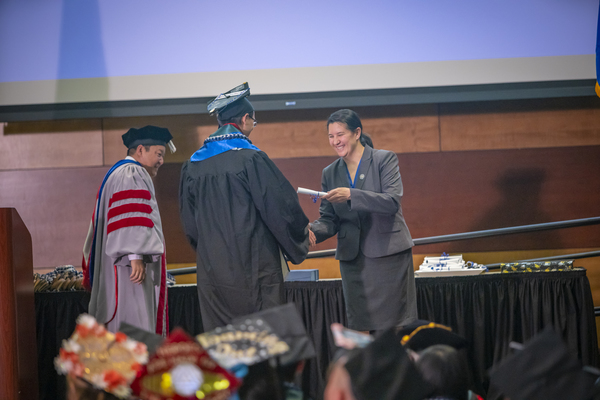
338	195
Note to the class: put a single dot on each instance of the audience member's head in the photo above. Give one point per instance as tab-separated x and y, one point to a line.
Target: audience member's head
382	370
422	334
445	369
543	369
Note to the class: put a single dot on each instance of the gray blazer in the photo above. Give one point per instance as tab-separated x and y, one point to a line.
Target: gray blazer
372	218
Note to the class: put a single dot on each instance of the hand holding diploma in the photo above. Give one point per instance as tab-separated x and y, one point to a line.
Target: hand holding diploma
338	195
311	192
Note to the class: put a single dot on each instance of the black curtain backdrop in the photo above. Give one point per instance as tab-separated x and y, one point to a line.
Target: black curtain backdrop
489	310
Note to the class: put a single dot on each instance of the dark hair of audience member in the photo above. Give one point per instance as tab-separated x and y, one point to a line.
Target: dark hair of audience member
352	122
264	382
261	383
446	370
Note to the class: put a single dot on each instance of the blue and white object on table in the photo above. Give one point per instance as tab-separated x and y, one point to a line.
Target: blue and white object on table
447	265
302	275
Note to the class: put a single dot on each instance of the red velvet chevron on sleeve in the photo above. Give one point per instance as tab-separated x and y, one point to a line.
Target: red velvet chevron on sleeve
134	207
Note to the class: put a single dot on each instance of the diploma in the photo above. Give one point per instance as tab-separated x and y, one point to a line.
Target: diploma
311	192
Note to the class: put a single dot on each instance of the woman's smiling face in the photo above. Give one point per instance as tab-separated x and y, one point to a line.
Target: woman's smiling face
342	139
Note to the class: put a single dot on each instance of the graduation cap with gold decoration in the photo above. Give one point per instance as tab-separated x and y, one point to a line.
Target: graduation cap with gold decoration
384	371
247	342
544	369
287	324
107	361
421	334
181	369
231	103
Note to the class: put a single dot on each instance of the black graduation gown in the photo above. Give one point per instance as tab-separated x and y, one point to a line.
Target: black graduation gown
237	211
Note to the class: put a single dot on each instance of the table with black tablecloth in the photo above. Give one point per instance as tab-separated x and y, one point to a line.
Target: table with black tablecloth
489	310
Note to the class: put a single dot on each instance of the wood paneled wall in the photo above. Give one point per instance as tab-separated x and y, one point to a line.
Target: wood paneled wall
465	166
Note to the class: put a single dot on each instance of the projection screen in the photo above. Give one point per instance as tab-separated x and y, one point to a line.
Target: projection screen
74	52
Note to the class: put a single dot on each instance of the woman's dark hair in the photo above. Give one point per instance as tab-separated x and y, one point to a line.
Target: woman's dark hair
352	121
446	370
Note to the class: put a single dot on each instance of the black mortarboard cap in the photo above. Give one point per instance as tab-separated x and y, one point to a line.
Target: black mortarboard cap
421	334
543	369
232	103
151	340
148	136
248	342
287	324
384	371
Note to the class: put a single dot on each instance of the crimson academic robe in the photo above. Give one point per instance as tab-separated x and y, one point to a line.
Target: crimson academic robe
126	221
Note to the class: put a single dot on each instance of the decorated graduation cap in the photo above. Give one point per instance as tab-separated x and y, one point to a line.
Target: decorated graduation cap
148	136
287	324
107	361
232	103
247	342
543	369
383	370
181	369
421	334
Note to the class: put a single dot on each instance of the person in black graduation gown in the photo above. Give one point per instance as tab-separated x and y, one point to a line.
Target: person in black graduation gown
241	215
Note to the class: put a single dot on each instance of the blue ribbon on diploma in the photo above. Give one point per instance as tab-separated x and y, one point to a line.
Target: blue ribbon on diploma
314	195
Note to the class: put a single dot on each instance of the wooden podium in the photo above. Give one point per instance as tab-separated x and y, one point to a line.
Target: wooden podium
18	345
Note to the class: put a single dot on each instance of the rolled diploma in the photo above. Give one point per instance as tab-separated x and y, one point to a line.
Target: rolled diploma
311	192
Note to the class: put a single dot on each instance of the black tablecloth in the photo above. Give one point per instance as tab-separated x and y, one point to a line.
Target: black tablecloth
488	310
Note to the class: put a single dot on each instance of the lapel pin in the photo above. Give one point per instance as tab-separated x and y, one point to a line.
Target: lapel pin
362	176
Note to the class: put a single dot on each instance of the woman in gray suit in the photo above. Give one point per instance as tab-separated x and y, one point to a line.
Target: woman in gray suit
363	207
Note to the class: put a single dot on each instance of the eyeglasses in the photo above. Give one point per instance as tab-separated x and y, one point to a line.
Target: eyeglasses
253	119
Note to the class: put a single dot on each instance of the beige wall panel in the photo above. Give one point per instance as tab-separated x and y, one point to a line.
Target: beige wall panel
189	131
402	129
404	134
292	139
309	138
513	128
50	144
56	206
282	134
